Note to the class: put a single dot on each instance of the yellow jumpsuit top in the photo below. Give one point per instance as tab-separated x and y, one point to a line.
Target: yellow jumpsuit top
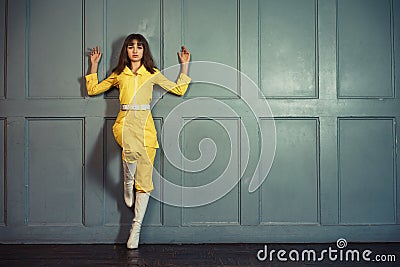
133	129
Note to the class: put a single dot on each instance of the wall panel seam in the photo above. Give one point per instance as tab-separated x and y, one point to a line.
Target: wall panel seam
260	93
162	32
395	170
5	62
316	55
182	21
392	52
337	48
27	46
318	165
26	171
238	54
83	205
105	163
83	36
161	171
5	191
105	54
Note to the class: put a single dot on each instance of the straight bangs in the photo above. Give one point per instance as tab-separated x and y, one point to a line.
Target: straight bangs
138	43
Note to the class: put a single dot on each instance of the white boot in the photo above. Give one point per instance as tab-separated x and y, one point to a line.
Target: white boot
140	209
129	181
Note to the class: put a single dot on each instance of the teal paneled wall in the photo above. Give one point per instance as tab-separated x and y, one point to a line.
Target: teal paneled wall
225	210
327	69
367	174
48	48
365	38
211	38
288	59
54	191
291	192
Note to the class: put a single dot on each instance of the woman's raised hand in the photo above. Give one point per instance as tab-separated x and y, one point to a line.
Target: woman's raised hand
95	55
184	58
184	55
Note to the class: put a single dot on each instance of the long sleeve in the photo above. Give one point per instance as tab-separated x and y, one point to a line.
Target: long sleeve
94	87
178	88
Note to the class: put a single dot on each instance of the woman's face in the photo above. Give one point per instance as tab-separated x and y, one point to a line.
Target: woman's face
135	51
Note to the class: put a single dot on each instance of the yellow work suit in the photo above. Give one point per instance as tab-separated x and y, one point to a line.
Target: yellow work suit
134	130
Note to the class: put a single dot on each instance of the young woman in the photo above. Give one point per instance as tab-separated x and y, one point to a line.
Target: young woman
134	129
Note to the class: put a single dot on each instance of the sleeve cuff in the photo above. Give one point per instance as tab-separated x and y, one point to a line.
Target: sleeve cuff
184	78
92	76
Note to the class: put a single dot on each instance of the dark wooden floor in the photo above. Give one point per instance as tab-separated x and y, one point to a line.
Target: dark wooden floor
178	255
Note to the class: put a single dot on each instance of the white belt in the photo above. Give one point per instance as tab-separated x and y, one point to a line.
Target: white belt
135	107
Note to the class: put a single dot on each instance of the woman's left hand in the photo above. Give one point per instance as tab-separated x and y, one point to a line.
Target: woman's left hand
184	55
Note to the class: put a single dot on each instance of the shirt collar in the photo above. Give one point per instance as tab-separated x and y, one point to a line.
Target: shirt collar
142	70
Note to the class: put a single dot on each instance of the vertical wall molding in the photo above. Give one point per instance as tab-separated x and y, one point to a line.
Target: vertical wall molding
292	163
55	215
229	55
27	47
315	60
231	126
55	84
340	73
362	141
156	207
3	48
3	174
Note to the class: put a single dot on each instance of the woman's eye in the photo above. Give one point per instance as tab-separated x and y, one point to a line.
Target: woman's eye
130	47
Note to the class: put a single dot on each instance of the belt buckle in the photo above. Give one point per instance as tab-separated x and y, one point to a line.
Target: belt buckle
134	107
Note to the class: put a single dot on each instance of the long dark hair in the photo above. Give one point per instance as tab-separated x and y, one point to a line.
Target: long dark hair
147	59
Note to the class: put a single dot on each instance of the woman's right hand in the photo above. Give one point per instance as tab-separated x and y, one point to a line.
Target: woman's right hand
95	55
